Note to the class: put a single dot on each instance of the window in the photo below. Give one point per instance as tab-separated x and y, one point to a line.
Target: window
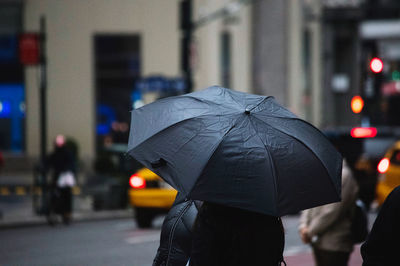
117	67
395	157
12	89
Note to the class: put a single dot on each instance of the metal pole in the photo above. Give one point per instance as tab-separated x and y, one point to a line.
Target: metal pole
186	25
43	111
186	64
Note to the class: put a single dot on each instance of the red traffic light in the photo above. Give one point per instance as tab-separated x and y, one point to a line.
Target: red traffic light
376	65
357	104
363	132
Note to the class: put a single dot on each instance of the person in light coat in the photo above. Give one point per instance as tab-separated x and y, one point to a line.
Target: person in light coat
328	228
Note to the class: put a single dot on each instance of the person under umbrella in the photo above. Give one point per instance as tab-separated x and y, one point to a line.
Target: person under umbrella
238	151
230	236
176	233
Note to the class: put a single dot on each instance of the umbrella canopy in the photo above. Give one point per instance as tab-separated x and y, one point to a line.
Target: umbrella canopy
236	149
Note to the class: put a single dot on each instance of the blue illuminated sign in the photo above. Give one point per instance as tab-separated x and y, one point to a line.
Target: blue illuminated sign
107	116
5	109
11	98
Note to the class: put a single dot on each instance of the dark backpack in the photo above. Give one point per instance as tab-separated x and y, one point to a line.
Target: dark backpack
359	222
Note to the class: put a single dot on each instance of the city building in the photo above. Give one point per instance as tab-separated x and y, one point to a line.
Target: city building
104	58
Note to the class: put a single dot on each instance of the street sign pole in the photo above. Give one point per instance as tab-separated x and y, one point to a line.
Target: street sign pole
186	25
43	111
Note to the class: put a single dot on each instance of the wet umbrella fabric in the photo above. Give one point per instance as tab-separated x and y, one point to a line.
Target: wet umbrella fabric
236	149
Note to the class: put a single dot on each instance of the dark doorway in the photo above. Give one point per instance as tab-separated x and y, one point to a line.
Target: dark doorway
117	67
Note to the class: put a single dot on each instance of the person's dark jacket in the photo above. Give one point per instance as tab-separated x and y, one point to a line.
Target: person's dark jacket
381	247
224	235
60	160
176	233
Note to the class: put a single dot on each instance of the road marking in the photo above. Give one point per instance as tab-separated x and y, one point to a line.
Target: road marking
4	191
37	191
76	190
143	239
296	250
20	191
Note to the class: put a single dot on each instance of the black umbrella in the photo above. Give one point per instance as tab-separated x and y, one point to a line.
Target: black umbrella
236	149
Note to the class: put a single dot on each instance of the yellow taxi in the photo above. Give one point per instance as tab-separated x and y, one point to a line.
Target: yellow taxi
149	195
389	173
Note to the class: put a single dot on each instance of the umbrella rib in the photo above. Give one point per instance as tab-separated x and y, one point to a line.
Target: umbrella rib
212	153
288	118
181	121
230	95
261	102
302	144
197	133
272	164
277	116
154	135
202	100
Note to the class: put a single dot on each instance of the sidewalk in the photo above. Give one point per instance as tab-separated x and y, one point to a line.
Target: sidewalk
306	258
16	204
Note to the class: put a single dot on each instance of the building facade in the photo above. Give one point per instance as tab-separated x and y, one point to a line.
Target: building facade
307	54
97	50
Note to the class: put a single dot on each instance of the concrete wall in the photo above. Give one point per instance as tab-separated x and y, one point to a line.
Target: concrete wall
296	74
207	40
277	55
269	50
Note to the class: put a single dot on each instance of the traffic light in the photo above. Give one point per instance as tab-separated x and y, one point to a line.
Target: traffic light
376	65
357	104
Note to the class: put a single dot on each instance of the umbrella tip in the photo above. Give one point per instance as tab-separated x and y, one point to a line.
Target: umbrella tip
247	112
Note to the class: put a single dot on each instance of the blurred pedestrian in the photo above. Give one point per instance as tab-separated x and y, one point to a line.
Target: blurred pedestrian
327	228
176	233
230	236
381	247
61	163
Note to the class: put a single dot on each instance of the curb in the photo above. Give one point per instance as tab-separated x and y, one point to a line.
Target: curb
29	190
76	217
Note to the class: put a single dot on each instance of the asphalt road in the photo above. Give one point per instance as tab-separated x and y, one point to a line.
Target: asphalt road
107	242
110	242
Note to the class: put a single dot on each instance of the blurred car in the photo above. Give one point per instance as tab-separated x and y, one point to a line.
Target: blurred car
150	196
108	185
389	173
363	155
